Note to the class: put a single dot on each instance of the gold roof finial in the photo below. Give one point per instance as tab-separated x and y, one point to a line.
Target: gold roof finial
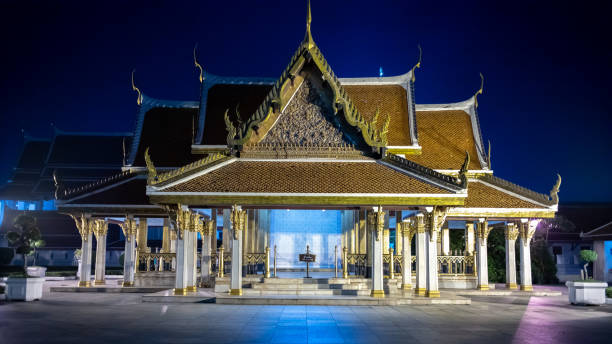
479	91
418	64
554	193
308	37
197	65
139	99
152	172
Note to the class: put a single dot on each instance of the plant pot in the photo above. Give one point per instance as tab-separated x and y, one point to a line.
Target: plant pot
587	293
24	289
36	271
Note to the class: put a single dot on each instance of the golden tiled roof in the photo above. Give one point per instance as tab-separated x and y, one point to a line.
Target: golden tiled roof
306	177
483	196
391	100
445	136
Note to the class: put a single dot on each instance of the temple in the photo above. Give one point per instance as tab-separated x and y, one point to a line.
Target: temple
391	196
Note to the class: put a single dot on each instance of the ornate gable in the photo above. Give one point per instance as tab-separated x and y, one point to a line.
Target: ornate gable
321	106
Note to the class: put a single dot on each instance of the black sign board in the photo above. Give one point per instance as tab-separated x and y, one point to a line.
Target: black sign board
308	257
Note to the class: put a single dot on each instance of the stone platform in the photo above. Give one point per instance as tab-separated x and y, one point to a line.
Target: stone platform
208	296
105	289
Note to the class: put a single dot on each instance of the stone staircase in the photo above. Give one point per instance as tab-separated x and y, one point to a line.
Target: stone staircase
299	286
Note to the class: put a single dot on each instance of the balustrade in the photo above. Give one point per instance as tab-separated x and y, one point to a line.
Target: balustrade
154	261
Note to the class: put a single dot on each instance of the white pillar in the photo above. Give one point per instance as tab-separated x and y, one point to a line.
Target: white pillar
85	277
238	219
205	259
190	260
511	234
128	259
431	234
100	233
377	222
526	233
445	241
180	283
481	250
469	238
403	229
421	258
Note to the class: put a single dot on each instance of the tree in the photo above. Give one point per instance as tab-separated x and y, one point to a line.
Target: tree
26	237
559	224
587	256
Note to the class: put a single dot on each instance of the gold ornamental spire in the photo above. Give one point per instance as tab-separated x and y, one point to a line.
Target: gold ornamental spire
195	62
308	37
418	64
479	91
139	99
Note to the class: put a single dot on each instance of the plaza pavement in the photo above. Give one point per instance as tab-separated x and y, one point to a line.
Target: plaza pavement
123	318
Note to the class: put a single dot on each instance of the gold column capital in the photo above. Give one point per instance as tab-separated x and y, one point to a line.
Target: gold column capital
527	231
377	221
511	232
129	228
483	230
84	225
237	219
100	228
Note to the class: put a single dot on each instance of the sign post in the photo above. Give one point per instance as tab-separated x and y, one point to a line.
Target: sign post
308	258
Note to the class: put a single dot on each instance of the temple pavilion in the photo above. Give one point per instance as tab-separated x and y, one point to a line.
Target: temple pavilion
401	176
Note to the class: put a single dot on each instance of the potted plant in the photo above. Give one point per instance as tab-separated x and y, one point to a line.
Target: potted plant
587	291
24	239
77	260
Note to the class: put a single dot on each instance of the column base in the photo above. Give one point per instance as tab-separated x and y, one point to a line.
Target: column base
526	287
99	282
127	284
406	286
432	293
511	286
483	287
84	284
377	293
180	291
236	292
420	291
192	289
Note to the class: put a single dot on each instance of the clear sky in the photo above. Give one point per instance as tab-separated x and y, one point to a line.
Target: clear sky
545	108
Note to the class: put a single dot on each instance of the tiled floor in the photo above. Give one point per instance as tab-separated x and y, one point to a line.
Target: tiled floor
122	318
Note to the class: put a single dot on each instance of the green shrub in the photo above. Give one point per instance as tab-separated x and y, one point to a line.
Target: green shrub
6	255
1	289
588	256
609	292
543	266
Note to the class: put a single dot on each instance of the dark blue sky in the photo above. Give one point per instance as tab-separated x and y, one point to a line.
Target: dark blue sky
545	108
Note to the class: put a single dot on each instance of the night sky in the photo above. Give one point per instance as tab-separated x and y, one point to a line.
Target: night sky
545	108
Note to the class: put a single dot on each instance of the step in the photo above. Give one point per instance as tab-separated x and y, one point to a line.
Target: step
314	280
319	292
273	286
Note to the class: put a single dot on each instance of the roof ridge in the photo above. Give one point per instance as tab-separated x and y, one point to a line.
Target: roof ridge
155	179
73	192
424	171
520	190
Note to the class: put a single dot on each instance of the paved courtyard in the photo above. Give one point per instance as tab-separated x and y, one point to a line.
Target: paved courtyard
122	318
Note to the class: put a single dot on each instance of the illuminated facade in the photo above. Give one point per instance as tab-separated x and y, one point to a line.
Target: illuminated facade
374	183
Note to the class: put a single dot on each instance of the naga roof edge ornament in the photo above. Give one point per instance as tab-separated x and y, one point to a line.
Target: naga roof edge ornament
479	91
418	64
139	99
554	192
152	172
197	65
462	177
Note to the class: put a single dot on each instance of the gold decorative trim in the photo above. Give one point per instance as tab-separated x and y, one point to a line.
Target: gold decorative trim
127	284
84	284
420	291
377	293
483	287
97	282
180	291
407	286
236	292
512	286
432	294
139	99
192	289
526	287
163	177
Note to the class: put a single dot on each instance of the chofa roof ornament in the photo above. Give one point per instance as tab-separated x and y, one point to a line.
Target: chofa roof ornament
197	65
418	64
479	91
554	192
139	99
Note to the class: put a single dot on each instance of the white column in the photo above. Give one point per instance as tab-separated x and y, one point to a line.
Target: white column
180	283
481	251
100	232
205	260
421	258
85	277
511	234
469	238
406	233
190	258
431	234
445	241
526	233
377	222
238	219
